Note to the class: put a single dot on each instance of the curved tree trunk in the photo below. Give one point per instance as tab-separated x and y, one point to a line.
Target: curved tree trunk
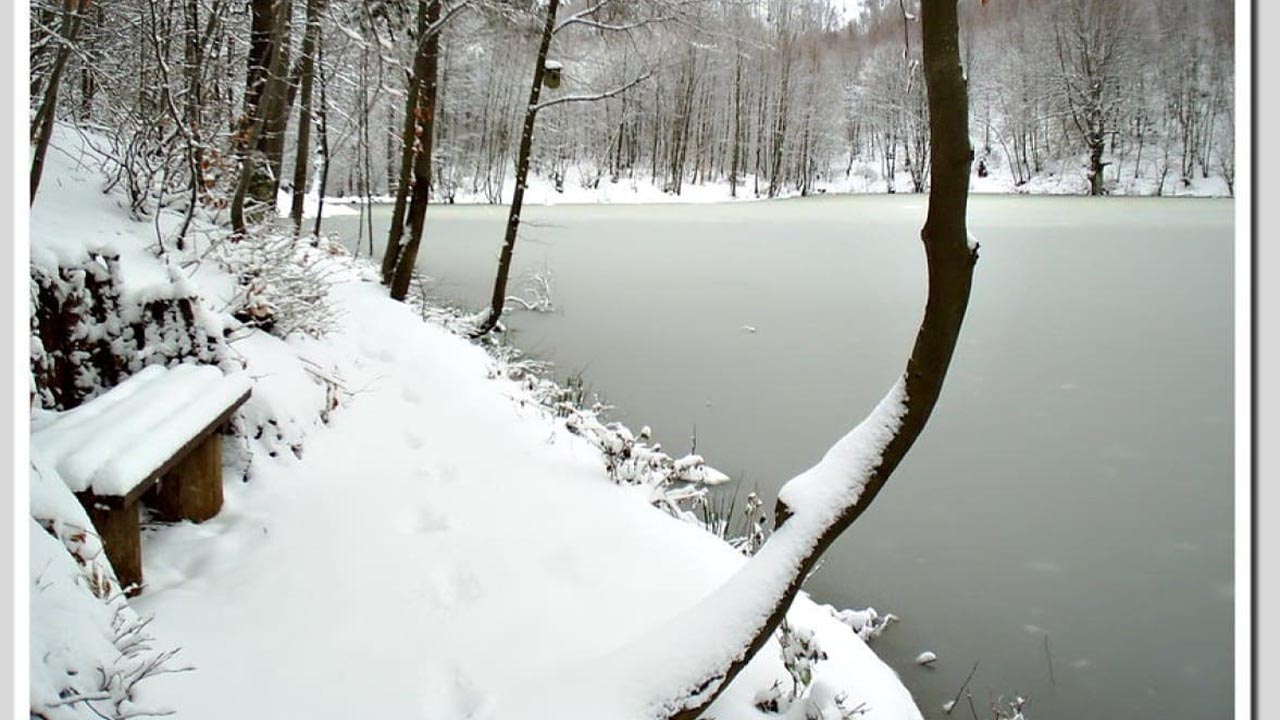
818	505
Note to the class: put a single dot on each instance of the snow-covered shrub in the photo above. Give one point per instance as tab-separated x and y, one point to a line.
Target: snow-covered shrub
800	652
88	653
867	624
632	460
89	650
536	291
810	697
87	336
771	699
1009	709
283	282
677	484
746	531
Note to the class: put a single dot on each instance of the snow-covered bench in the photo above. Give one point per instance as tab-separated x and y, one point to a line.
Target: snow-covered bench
154	437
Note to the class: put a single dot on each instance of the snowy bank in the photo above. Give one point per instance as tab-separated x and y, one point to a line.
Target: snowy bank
406	533
580	188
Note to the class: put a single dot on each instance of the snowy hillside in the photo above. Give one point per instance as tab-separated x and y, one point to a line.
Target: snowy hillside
407	531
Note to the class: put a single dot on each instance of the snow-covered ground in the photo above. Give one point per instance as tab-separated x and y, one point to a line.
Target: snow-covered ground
434	539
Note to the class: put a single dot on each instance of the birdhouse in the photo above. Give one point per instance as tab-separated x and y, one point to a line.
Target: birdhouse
551	74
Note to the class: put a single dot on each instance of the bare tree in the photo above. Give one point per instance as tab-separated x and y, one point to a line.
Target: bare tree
417	141
42	125
310	47
264	116
817	506
1091	38
549	29
424	137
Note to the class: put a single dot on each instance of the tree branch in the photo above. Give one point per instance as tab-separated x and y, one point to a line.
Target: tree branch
580	16
592	98
613	28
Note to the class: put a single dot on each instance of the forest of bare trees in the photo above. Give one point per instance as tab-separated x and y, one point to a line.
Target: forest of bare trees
768	98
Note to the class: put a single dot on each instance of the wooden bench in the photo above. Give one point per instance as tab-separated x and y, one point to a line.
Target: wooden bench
154	437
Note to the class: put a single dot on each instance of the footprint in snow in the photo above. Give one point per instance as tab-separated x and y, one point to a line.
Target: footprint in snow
466	586
448	472
413	394
421	521
447	691
414	438
367	349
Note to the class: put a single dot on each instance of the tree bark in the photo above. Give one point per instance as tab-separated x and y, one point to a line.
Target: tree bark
193	105
310	39
275	111
395	234
264	96
737	122
88	65
425	131
322	120
42	126
499	298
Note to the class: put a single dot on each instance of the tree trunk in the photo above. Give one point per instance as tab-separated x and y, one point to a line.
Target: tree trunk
395	233
780	126
737	125
88	65
816	507
1096	146
264	96
322	120
193	105
310	39
499	298
275	112
425	130
42	125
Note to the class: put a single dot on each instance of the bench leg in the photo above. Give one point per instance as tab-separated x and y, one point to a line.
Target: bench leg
122	541
192	490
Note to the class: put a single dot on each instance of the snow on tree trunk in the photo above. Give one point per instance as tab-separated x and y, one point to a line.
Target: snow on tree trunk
677	670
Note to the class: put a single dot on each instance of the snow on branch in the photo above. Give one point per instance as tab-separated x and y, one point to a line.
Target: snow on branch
436	27
611	27
592	98
581	16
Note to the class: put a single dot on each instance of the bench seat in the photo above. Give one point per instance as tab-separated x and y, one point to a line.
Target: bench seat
153	438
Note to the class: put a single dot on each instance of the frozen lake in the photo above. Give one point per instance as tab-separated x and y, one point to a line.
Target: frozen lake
1074	483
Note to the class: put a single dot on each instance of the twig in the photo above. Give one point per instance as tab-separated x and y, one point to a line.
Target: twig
1048	656
964	685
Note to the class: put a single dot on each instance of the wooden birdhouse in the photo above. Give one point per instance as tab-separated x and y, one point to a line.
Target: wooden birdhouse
551	74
